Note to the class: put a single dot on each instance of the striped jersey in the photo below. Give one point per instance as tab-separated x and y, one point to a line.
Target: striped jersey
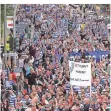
12	99
67	86
77	88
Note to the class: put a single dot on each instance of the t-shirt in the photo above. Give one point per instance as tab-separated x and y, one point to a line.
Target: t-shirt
27	70
82	26
21	63
12	77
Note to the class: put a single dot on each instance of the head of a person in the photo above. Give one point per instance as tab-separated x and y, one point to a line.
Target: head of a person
18	105
105	104
11	91
11	108
82	96
32	71
86	100
99	101
33	94
18	97
34	88
34	100
75	108
26	96
90	109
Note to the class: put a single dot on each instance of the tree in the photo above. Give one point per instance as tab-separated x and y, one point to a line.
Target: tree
9	12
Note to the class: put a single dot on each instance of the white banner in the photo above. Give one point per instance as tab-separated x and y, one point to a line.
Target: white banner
80	73
9	22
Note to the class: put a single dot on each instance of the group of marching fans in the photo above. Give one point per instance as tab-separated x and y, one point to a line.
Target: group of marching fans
40	81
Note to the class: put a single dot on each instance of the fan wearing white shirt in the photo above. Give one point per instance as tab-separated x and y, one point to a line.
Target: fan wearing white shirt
21	63
31	60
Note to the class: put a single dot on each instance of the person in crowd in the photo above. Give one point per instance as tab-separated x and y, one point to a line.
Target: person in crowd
12	98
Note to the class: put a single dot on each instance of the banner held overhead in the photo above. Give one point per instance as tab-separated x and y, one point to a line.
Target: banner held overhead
80	73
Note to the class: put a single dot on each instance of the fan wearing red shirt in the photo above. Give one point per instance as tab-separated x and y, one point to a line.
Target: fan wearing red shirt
12	77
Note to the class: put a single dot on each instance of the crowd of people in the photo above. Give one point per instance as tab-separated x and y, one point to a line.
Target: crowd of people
40	80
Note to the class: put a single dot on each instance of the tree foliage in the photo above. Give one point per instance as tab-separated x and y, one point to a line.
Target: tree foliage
9	12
